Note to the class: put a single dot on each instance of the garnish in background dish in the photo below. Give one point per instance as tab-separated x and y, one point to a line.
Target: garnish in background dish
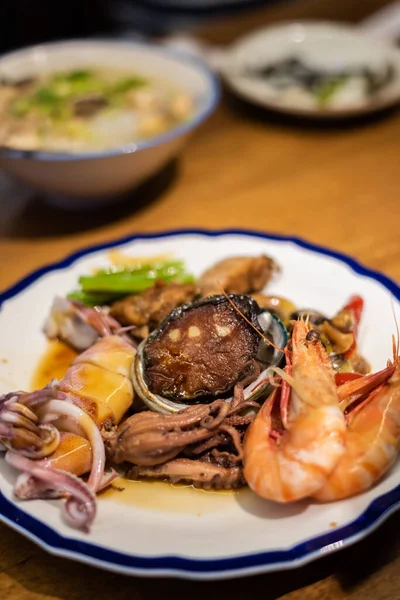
323	84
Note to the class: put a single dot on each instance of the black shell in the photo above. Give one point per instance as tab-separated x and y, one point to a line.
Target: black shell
201	350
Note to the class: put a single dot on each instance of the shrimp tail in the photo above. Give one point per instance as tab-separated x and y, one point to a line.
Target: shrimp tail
352	391
372	439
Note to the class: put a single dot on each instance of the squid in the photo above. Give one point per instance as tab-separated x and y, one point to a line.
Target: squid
55	435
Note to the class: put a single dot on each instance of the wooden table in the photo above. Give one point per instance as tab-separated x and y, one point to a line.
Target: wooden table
336	186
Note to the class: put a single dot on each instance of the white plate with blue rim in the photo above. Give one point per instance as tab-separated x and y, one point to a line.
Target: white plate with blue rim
314	69
158	530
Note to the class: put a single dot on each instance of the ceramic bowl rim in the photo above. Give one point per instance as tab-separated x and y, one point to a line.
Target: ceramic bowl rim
202	113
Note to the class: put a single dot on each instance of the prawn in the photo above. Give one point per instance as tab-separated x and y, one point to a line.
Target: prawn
372	441
296	461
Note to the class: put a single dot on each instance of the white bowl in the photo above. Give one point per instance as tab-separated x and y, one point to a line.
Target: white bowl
96	176
323	45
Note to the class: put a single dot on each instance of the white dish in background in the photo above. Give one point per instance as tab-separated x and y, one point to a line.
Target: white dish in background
95	177
330	46
188	533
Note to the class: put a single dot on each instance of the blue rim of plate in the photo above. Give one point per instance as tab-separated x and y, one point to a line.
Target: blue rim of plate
216	568
208	104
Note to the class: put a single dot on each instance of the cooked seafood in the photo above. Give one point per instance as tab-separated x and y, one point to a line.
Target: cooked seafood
199	474
294	460
237	275
277	305
202	350
372	436
94	393
339	335
99	380
78	325
148	438
73	454
42	482
243	389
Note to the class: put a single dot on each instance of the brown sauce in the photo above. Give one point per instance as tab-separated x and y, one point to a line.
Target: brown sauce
52	364
166	497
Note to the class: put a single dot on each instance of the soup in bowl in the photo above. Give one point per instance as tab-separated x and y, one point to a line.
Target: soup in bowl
95	118
88	108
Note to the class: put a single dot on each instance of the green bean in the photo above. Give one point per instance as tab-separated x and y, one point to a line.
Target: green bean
143	268
116	282
110	284
126	282
93	298
326	91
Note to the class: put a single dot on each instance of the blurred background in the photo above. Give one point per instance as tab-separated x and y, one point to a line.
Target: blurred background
23	22
215	22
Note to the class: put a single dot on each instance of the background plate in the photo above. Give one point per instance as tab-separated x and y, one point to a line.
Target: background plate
322	45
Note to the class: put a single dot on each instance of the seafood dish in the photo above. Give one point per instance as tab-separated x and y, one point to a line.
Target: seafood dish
210	381
88	109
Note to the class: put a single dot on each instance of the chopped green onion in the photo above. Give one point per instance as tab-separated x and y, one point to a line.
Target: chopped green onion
21	107
327	90
121	86
56	96
78	75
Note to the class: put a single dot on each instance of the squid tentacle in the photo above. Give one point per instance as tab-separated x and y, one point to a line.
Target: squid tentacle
80	508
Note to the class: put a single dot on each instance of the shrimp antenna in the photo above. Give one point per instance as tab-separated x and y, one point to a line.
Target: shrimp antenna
396	345
249	322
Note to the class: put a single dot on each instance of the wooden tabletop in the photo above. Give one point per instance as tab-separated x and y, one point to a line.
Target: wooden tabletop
337	186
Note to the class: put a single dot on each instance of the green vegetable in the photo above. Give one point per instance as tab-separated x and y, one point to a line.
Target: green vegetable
110	284
45	95
56	98
327	90
78	75
71	86
46	100
92	299
21	107
126	282
121	86
174	266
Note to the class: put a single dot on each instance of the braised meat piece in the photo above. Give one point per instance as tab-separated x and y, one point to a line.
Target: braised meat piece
237	275
203	349
148	309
